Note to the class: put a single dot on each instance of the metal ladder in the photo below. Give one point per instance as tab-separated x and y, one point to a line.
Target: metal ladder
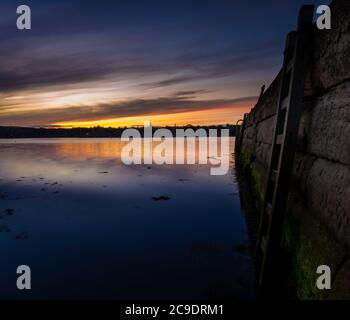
289	108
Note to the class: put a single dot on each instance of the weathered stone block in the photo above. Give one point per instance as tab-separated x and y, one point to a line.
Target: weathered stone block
328	187
341	286
262	153
249	139
331	51
301	169
307	244
328	135
265	130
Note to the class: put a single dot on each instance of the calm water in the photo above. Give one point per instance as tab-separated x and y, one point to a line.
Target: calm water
88	227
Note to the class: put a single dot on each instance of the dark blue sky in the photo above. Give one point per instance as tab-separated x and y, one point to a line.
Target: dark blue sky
97	60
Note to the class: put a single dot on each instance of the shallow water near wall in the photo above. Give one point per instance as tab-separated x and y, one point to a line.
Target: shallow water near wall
90	227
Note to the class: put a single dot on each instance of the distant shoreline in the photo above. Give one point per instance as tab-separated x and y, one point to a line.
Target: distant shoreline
96	132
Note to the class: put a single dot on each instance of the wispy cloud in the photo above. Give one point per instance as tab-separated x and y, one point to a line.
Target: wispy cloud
139	107
70	59
191	92
84	60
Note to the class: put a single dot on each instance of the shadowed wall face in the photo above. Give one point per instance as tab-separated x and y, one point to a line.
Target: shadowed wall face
318	217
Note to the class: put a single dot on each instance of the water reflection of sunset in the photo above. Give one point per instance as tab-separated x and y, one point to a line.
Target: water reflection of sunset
82	211
111	149
107	149
84	159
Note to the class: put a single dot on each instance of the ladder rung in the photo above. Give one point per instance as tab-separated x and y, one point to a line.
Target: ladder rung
264	244
285	103
274	175
269	209
290	65
279	139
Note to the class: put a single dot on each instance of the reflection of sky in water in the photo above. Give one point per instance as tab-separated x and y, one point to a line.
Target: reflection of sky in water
93	229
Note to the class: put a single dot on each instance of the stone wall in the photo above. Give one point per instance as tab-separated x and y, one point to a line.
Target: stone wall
317	227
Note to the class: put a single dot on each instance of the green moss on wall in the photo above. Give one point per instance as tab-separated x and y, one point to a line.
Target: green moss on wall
255	179
301	263
306	244
245	157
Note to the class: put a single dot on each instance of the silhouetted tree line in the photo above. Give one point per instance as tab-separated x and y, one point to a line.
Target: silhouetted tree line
96	132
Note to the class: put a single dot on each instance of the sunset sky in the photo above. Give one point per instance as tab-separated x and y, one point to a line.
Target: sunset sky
117	63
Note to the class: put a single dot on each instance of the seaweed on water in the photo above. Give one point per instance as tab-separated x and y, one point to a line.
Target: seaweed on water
161	198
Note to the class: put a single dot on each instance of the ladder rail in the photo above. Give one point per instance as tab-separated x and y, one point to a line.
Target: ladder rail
290	41
289	109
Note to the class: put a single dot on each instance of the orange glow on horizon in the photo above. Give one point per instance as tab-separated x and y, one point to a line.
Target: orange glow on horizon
220	115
